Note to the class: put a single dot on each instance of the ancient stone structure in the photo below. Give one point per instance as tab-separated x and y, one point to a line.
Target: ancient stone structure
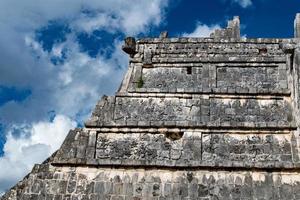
194	118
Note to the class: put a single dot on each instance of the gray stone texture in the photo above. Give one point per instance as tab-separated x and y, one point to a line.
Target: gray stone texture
177	149
207	78
194	118
197	112
48	182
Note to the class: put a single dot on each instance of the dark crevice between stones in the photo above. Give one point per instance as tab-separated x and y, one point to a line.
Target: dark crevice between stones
189	70
241	95
182	168
174	135
95	152
226	129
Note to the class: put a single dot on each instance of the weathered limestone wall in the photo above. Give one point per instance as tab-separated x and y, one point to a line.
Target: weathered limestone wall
63	183
203	50
270	78
180	148
197	111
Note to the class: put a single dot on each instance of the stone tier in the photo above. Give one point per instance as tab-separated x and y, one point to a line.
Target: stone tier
180	148
68	183
247	78
177	50
194	112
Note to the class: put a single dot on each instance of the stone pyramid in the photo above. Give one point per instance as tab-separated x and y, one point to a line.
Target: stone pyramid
194	118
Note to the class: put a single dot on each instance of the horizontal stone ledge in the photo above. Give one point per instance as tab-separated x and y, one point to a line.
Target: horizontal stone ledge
195	65
214	40
143	124
212	166
217	55
193	95
122	130
203	60
207	52
215	60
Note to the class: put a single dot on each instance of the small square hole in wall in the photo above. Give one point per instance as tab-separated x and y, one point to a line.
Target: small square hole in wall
189	70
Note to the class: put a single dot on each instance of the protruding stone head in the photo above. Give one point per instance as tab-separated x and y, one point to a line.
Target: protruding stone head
297	26
130	46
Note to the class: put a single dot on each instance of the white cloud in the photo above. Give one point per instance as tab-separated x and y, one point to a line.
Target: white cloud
202	30
69	89
128	16
243	3
35	143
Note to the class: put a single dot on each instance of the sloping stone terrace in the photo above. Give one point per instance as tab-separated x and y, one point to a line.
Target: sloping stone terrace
47	182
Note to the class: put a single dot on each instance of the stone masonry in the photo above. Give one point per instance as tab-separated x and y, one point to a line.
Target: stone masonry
194	118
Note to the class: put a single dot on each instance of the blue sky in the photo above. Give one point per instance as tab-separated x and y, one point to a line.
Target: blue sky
262	18
57	60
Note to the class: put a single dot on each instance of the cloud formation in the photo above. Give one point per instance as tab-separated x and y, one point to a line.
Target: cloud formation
243	3
70	88
202	30
36	142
